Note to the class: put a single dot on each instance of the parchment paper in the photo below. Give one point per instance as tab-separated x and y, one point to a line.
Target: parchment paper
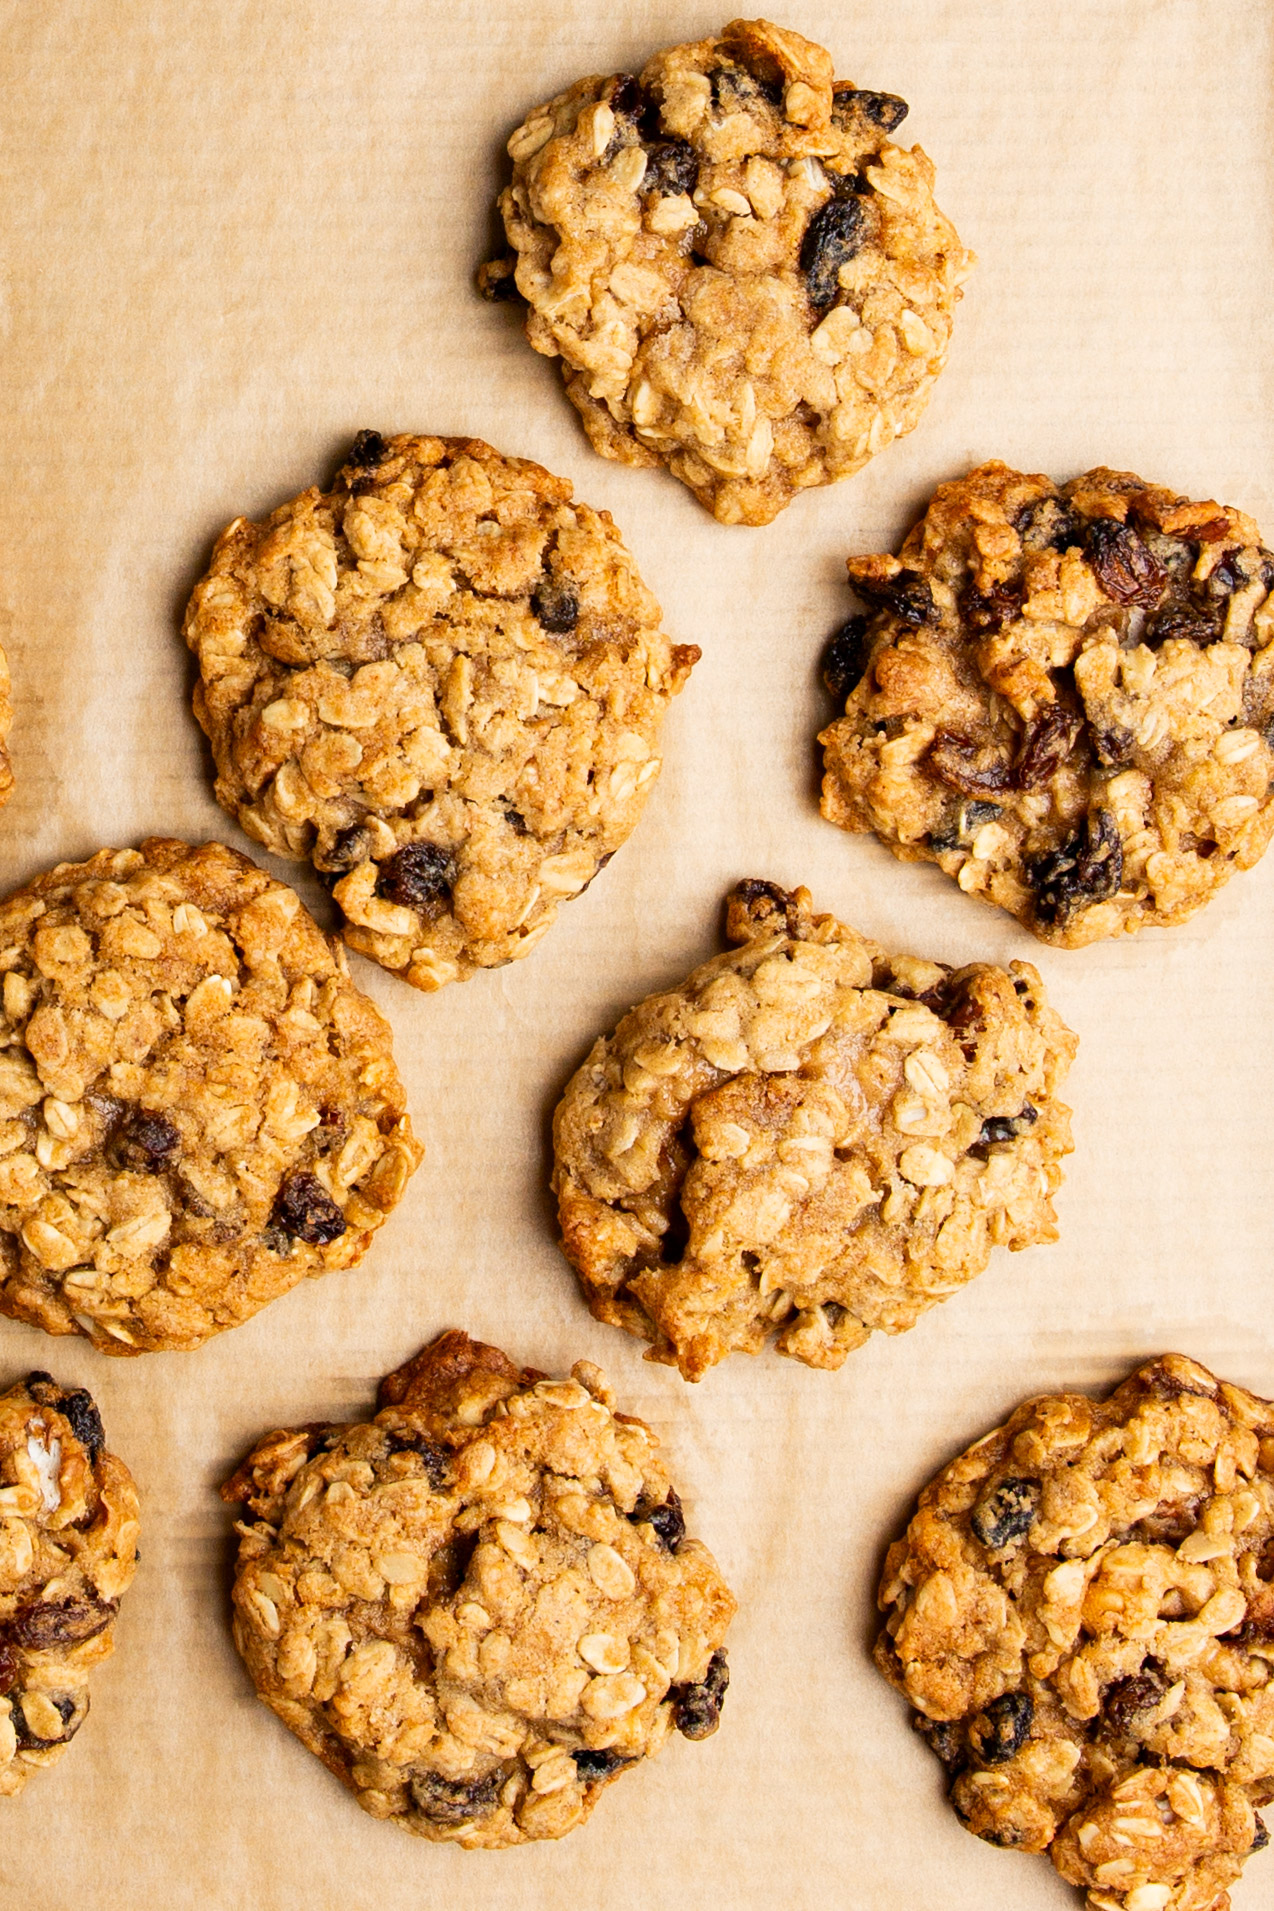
234	234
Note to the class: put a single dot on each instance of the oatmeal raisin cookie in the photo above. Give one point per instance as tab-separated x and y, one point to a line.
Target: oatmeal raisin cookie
808	1139
68	1550
198	1109
1064	698
480	1607
443	682
744	278
1082	1614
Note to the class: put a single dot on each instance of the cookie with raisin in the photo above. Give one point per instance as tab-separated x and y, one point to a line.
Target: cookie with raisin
1064	697
198	1109
808	1140
1081	1613
68	1552
744	278
480	1607
442	682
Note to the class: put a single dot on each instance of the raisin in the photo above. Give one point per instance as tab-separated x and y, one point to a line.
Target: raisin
952	1001
1198	625
944	1738
497	281
845	658
67	1623
147	1140
8	1668
1049	525
1226	577
625	95
964	826
988	611
305	1210
437	1460
667	1519
1086	870
27	1740
368	451
758	902
1261	1836
885	110
593	1765
347	849
1006	1127
1127	1698
86	1422
1002	1728
964	765
832	237
1114	746
698	1707
555	602
1124	567
515	820
672	166
1045	746
418	876
907	596
1007	1511
446	1801
736	91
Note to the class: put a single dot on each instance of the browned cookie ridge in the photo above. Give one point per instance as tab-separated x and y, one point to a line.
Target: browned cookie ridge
68	1551
809	1140
1064	697
482	1606
744	278
443	682
198	1109
1082	1614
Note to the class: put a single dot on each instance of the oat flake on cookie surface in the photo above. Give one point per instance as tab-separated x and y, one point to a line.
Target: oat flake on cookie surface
480	1607
442	682
745	280
808	1139
68	1551
1082	1614
198	1108
1064	697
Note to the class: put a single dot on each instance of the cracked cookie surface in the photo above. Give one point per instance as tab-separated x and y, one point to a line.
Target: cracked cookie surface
482	1606
198	1108
1082	1614
1064	697
808	1139
68	1551
745	280
443	683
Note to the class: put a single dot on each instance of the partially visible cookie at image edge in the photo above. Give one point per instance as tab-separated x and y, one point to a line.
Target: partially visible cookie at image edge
68	1551
744	278
1082	1614
1064	697
442	681
198	1109
808	1140
481	1607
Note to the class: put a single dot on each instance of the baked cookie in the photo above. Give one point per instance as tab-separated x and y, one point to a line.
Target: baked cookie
744	278
1064	698
442	681
481	1607
68	1550
808	1139
197	1106
1082	1614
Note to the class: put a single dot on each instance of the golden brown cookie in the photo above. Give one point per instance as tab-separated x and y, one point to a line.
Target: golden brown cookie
1064	698
745	280
198	1109
809	1140
480	1607
443	682
1082	1614
68	1551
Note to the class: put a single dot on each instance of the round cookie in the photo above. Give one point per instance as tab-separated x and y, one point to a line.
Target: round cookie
481	1607
1082	1614
443	682
1064	698
68	1550
745	280
809	1140
198	1109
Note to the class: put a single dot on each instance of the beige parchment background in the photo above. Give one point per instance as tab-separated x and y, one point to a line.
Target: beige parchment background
235	233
